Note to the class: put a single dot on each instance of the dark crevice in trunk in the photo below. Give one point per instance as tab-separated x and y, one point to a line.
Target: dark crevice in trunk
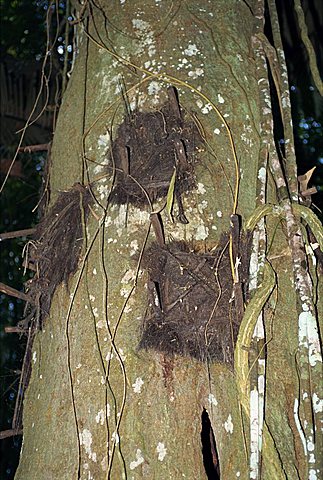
210	456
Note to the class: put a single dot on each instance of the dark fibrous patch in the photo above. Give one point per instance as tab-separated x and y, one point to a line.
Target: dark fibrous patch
55	250
194	307
147	148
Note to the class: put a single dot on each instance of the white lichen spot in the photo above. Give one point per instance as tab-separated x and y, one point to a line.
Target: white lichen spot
199	103
312	474
245	139
35	357
206	109
261	382
108	222
126	280
95	312
262	175
109	356
104	140
200	188
134	247
194	74
317	404
191	50
98	169
86	441
154	88
219	214
94	271
286	102
140	24
212	400
203	205
305	307
136	219
137	385
104	463
146	36
115	437
238	474
255	427
308	337
99	418
100	324
139	460
183	63
202	232
310	446
122	354
228	425
161	450
299	426
220	98
92	298
216	131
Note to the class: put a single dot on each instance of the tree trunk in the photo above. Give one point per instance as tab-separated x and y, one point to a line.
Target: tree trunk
110	395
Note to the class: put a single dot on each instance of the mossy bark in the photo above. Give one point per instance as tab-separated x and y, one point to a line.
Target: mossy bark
97	406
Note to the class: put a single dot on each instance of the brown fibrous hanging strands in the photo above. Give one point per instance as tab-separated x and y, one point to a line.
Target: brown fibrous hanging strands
55	250
192	308
148	147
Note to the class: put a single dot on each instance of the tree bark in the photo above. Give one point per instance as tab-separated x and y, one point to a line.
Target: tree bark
97	405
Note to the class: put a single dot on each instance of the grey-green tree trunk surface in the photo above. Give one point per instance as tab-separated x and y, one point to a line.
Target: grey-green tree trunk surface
99	405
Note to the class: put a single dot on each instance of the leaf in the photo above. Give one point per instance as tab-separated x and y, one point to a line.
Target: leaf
170	196
304	179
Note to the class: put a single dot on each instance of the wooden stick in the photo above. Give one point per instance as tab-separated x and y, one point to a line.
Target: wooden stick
14	293
10	433
34	148
13	329
17	233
